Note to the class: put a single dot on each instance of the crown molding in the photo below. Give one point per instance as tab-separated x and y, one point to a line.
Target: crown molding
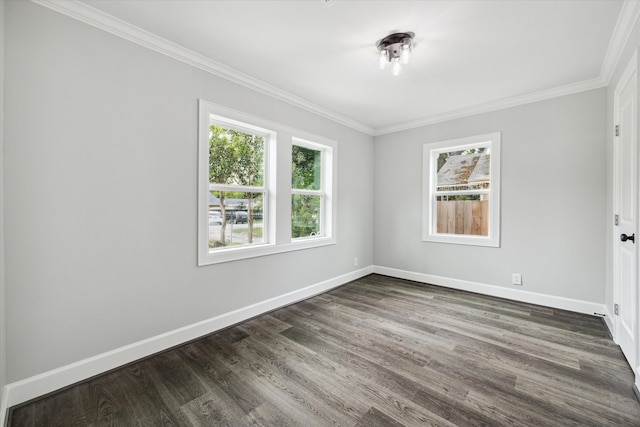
627	19
80	11
501	104
96	18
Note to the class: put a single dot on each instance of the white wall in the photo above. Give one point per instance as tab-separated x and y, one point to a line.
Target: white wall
100	190
553	200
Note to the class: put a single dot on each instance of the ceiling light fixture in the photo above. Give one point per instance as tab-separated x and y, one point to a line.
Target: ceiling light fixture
396	49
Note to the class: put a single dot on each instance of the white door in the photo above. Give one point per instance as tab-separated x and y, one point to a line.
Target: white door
625	190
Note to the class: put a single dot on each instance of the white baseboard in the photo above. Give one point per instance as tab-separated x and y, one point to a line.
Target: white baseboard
47	382
496	291
38	385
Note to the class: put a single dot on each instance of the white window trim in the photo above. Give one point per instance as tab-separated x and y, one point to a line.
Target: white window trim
277	207
325	192
430	152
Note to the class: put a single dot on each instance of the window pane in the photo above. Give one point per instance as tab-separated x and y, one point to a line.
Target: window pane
235	219
463	170
305	215
467	215
235	157
305	168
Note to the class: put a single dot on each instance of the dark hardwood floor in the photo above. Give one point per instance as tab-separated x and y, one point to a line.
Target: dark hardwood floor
376	352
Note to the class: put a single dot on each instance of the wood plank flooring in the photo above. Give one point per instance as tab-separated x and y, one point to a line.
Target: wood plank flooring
376	352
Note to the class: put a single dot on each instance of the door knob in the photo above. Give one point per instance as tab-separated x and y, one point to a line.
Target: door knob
624	237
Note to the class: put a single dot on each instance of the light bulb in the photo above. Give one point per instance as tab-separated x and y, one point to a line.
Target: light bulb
382	59
406	52
396	67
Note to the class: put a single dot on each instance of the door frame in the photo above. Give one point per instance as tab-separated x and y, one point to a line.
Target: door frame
629	71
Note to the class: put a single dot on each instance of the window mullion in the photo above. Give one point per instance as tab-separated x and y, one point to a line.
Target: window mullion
236	187
461	192
307	192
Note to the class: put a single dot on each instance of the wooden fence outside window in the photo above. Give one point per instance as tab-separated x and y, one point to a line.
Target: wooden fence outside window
470	217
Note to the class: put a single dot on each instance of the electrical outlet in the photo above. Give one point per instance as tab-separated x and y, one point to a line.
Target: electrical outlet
516	279
355	262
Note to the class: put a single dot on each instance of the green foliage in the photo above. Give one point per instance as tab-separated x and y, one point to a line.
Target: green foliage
220	156
235	157
305	168
257	231
305	215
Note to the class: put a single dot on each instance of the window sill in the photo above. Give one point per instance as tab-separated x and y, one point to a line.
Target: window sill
462	240
240	253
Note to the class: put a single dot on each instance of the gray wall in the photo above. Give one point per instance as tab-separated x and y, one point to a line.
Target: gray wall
100	192
553	199
3	370
100	196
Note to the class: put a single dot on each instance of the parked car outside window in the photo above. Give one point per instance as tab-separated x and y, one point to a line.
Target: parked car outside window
237	217
215	218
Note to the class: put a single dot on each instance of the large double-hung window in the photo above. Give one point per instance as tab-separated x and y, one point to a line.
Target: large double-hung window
263	187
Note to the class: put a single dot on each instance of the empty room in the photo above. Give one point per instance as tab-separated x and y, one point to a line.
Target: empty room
319	212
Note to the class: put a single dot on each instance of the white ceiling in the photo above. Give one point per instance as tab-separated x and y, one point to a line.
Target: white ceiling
322	54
